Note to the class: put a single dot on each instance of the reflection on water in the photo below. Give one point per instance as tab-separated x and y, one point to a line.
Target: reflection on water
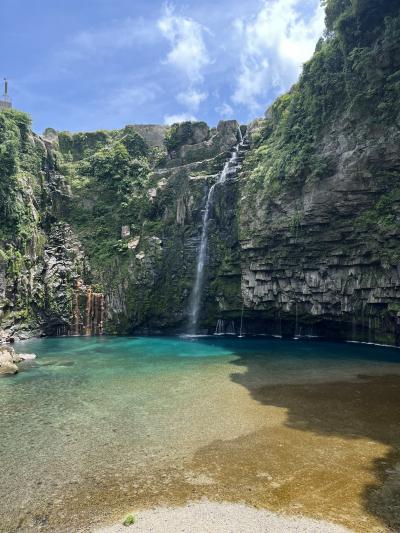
100	424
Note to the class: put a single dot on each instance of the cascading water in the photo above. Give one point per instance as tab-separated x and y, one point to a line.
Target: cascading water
230	329
195	300
219	329
241	321
240	135
87	311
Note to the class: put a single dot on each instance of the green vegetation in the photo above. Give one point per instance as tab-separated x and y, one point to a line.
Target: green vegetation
23	214
77	146
20	158
129	520
354	73
109	191
384	215
114	188
138	224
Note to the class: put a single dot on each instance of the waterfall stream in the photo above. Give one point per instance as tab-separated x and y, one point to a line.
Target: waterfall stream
231	166
241	321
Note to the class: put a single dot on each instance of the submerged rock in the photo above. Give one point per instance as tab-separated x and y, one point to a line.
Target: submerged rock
27	356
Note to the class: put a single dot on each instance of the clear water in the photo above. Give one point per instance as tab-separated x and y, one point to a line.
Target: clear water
101	414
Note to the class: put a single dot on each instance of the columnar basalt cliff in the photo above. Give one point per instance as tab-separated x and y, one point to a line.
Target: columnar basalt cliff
101	231
319	215
323	257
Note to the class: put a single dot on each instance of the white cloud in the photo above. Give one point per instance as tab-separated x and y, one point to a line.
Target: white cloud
188	50
191	99
182	117
189	56
225	110
118	35
126	99
276	42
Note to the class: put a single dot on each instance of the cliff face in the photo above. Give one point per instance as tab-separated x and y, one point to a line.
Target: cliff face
320	248
101	230
141	223
39	254
330	253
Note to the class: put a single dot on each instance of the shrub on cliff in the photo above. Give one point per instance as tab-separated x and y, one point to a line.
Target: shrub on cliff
20	158
354	74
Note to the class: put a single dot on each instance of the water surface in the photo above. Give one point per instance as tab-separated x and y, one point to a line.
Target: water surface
102	425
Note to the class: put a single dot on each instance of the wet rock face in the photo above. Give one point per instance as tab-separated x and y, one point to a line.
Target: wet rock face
312	253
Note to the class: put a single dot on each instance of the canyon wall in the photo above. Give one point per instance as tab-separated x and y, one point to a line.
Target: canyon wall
319	208
101	229
138	213
41	257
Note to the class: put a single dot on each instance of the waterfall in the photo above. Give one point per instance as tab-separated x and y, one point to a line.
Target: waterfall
230	167
75	308
223	329
88	310
241	321
219	329
296	326
94	313
230	330
240	135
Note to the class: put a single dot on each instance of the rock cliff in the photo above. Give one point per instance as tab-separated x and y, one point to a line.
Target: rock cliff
319	212
141	224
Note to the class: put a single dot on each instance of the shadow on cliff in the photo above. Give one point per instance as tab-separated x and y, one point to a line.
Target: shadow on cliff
366	408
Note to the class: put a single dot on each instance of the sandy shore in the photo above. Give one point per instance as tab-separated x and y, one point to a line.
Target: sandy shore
210	517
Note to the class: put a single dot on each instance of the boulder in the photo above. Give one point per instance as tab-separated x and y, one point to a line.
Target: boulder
7	354
134	243
125	231
8	367
9	358
6	336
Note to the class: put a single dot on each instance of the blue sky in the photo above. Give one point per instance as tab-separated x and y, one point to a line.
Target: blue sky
100	64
